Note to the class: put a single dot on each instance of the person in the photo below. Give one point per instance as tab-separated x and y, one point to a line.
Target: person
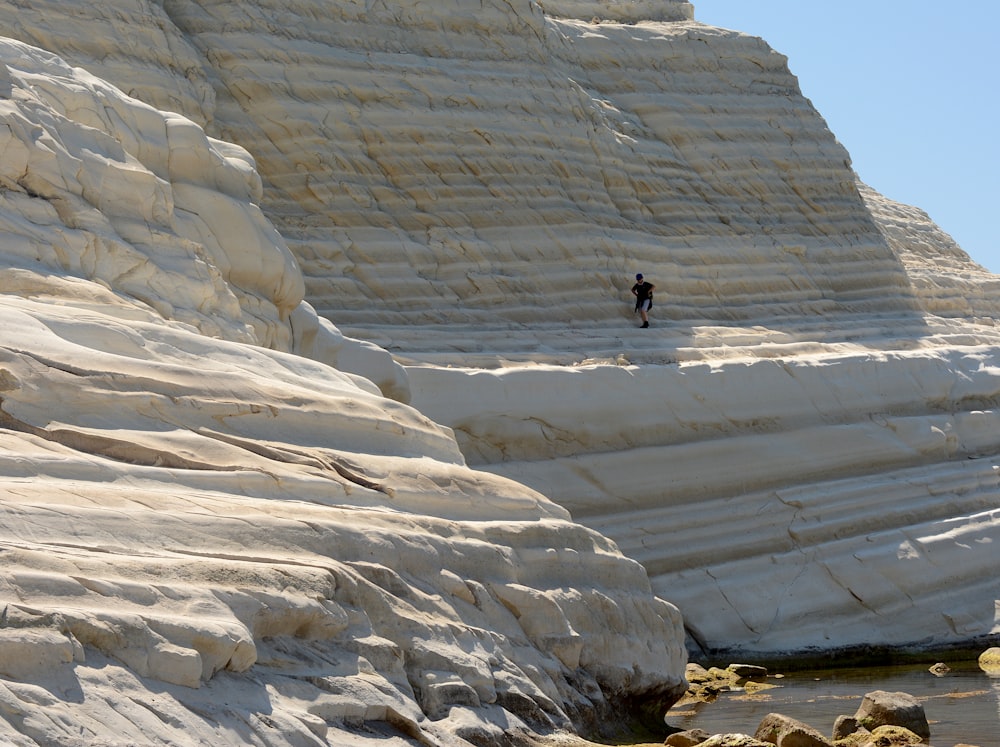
643	292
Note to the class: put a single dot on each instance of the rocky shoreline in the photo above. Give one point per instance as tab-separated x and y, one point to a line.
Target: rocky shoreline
883	719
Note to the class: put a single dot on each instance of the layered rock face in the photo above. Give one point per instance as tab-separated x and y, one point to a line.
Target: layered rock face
509	167
208	536
211	485
426	161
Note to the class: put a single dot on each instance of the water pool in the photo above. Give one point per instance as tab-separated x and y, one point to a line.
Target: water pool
962	706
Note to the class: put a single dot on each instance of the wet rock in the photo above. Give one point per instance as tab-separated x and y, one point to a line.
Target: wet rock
747	671
705	685
989	660
939	669
784	731
695	674
882	708
845	726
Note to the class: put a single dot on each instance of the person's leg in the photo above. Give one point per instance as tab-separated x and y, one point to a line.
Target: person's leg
642	313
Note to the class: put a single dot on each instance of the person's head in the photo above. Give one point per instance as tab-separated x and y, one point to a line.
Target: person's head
639	277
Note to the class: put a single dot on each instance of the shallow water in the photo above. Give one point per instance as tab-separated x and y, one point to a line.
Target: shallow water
962	706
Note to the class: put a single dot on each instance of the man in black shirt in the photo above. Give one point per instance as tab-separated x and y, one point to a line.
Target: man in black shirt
643	293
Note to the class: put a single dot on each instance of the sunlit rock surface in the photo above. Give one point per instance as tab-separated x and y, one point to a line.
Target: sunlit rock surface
279	335
209	538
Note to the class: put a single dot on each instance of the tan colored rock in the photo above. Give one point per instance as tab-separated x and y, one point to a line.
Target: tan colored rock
860	738
695	672
784	731
733	740
705	685
894	736
688	738
26	653
989	660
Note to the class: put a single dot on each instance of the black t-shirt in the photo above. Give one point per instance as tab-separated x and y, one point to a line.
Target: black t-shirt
643	290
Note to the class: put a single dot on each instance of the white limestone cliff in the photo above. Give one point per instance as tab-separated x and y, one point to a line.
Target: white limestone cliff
281	334
194	515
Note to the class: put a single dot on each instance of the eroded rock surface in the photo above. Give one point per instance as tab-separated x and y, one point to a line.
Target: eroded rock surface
207	537
280	329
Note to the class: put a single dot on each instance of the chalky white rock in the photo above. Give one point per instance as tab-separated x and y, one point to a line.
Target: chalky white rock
323	412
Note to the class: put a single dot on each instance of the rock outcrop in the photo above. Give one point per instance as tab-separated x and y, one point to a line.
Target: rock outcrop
324	410
424	161
194	515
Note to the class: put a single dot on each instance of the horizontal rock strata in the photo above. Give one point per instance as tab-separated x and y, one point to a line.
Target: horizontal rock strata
426	163
207	537
812	502
208	487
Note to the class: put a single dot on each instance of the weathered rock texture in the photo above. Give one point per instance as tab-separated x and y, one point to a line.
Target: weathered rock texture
209	539
881	708
207	484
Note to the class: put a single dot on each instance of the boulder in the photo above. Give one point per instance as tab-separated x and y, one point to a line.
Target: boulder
940	669
688	738
989	660
784	731
882	708
844	726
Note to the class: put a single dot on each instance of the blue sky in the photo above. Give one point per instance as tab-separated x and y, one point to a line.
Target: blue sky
910	87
